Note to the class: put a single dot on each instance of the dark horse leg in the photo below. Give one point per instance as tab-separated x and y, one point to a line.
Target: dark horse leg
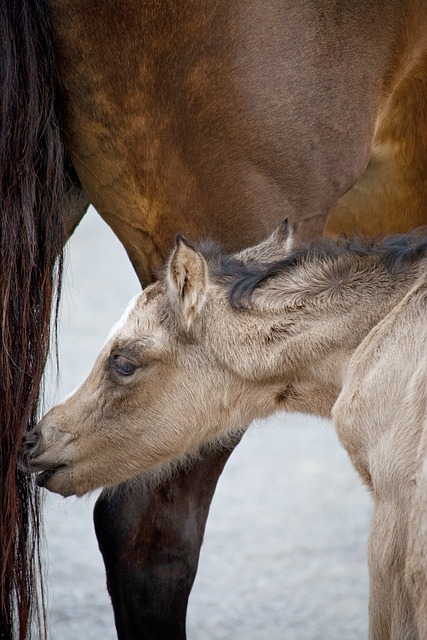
150	542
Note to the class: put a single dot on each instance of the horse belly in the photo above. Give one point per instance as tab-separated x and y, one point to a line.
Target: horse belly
217	119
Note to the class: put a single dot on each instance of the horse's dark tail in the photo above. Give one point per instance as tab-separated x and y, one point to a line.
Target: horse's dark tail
31	239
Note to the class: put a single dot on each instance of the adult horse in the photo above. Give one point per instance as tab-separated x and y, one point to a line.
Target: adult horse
192	116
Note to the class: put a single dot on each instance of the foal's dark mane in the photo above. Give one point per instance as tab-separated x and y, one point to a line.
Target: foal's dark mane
395	253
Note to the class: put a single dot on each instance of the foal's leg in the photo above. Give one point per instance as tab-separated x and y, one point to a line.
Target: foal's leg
391	614
150	541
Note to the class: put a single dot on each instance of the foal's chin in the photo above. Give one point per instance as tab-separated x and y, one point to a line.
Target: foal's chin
68	480
76	477
58	480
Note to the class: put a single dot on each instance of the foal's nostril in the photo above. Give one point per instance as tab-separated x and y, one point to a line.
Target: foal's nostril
31	441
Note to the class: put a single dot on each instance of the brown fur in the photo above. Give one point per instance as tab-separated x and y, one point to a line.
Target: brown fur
225	110
297	341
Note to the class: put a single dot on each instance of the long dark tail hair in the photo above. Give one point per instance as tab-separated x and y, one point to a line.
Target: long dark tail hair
31	240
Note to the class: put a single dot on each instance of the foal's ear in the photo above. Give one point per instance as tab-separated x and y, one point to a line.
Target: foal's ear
187	281
274	248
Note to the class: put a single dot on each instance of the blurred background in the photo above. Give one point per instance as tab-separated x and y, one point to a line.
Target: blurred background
284	555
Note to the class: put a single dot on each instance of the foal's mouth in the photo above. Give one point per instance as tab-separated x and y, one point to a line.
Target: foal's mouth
42	477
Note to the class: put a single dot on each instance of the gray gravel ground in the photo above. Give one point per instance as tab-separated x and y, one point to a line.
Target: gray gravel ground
284	551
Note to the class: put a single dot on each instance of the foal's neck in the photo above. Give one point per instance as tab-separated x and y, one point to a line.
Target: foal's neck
330	315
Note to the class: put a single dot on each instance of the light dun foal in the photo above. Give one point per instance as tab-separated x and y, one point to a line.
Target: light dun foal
222	340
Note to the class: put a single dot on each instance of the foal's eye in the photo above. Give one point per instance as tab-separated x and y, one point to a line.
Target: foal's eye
124	366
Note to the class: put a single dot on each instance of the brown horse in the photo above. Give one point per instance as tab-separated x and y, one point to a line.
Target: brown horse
293	338
191	116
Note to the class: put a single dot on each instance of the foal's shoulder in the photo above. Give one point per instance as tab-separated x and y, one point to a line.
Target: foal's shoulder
389	368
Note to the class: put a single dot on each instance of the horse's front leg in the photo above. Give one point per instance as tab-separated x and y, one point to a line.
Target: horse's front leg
150	541
391	613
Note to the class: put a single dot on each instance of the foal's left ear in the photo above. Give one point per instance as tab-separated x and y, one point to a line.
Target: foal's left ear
275	247
187	281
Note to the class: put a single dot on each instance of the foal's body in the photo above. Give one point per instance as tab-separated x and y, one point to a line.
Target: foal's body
296	335
380	417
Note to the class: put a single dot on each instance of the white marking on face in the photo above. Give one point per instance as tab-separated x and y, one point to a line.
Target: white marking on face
115	329
121	323
69	395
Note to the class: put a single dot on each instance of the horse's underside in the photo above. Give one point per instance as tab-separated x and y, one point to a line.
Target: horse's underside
220	119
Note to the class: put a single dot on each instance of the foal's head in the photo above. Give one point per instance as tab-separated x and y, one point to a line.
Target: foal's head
166	381
216	342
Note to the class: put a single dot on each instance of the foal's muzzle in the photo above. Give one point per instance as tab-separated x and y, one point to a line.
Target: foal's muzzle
29	461
31	443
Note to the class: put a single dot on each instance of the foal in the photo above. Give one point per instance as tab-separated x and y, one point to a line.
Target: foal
221	340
